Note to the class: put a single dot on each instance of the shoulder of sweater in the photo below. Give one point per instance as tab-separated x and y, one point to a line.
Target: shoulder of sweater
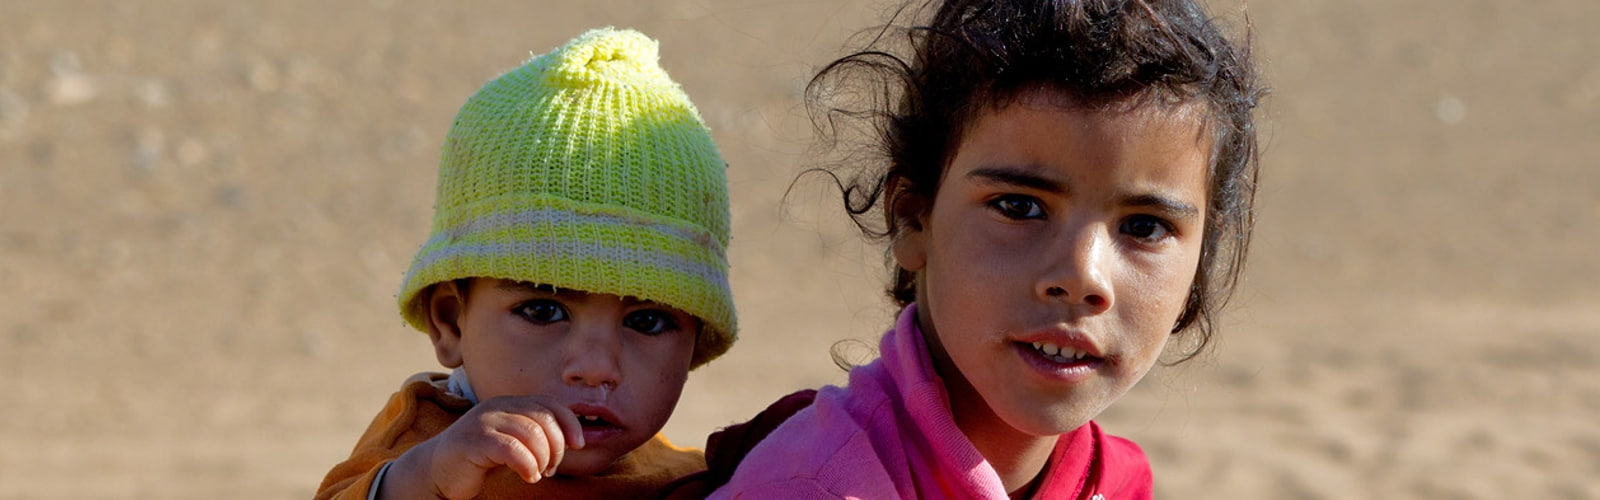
659	453
1122	451
432	387
433	378
828	442
1126	467
812	460
871	395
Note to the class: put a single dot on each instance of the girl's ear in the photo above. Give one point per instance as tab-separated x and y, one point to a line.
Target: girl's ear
445	304
910	235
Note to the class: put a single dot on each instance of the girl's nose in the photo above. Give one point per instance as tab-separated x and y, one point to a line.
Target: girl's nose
592	353
1077	269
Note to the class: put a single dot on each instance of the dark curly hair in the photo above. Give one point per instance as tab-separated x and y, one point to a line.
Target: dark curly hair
918	88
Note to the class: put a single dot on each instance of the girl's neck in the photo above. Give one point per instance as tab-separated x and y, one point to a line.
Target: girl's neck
1019	458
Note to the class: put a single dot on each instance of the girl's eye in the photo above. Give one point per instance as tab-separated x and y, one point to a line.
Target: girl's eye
1016	206
649	322
543	312
1146	228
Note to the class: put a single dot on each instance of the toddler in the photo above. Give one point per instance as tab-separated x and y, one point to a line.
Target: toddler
576	273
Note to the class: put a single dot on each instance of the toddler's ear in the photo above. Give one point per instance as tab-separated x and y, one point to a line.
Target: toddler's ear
445	304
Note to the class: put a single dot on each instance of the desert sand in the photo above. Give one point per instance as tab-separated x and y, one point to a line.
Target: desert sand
206	209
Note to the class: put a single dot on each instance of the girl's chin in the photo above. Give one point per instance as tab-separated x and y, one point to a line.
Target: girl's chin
1049	425
1050	430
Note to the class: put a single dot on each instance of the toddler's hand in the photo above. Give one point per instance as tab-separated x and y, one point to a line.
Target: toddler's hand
528	434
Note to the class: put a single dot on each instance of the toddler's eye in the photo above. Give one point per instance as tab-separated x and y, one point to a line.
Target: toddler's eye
1016	206
649	322
543	312
1146	228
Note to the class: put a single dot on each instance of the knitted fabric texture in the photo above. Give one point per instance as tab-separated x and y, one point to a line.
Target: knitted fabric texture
587	169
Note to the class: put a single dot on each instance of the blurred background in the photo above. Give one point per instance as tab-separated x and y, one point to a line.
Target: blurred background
207	207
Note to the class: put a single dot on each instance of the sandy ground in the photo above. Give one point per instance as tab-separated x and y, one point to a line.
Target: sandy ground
206	208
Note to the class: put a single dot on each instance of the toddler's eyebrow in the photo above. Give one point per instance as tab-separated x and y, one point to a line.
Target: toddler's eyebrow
563	293
526	287
1017	176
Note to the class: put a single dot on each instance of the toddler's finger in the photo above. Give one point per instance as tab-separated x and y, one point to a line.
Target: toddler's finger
570	428
539	426
558	417
512	449
533	458
561	428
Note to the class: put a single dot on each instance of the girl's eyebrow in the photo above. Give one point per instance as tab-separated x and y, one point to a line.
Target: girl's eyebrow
1017	176
1021	176
1169	206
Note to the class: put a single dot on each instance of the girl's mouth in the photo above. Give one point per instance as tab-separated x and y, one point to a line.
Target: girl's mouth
1059	363
1060	354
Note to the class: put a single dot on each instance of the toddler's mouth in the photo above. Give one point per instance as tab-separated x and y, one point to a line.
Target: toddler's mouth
594	416
594	421
598	422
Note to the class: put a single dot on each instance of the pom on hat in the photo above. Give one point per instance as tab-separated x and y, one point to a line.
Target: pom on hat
589	169
604	54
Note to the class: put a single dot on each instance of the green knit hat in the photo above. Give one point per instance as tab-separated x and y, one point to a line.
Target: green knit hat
588	169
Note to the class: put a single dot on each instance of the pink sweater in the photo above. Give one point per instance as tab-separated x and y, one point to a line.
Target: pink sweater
890	434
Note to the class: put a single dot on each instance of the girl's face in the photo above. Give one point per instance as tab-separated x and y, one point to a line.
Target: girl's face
1056	258
619	360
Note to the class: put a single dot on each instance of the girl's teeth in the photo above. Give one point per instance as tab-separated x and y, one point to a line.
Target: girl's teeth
1057	353
591	418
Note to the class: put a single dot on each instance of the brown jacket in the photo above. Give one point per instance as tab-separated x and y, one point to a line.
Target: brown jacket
423	409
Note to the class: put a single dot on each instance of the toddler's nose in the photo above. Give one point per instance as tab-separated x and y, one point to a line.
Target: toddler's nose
591	359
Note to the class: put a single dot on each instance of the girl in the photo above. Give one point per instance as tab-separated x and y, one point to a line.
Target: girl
1068	185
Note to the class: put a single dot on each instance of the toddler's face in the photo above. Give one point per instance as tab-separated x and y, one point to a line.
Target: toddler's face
1056	259
618	363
